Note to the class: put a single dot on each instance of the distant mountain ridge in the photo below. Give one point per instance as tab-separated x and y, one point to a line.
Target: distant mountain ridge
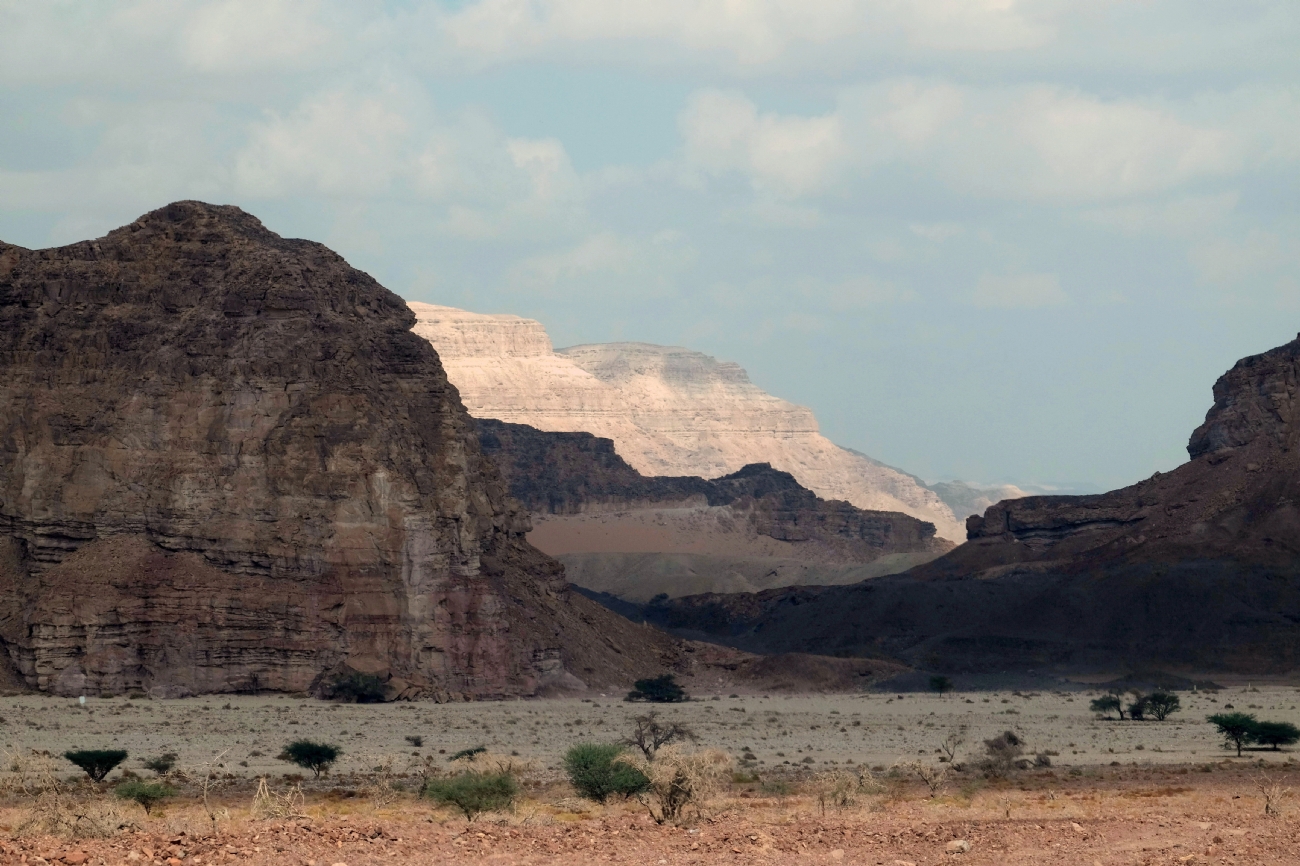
636	537
669	410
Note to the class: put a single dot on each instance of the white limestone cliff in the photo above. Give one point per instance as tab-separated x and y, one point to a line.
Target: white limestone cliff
669	410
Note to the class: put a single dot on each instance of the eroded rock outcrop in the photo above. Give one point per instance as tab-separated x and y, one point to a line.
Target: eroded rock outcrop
227	463
636	536
670	411
1198	567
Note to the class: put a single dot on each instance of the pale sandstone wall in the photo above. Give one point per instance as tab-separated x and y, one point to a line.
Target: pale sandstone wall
669	410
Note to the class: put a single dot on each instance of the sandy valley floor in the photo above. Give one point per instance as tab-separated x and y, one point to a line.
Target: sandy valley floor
1116	793
876	729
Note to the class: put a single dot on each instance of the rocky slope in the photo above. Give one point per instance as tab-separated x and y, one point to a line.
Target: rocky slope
670	411
637	536
1198	568
226	463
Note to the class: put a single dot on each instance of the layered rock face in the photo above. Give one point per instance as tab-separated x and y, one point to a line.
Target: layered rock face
670	411
637	536
1199	567
226	463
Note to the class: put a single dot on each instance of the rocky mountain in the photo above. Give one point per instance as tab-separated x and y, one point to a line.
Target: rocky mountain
226	464
670	411
635	537
1196	568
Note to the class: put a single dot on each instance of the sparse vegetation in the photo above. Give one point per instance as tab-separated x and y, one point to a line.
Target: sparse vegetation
473	793
680	780
649	734
97	763
162	764
464	754
658	690
1107	704
317	757
596	773
1003	754
1276	734
415	740
146	794
940	684
1238	729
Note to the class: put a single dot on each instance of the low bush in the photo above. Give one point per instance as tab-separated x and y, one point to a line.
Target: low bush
97	763
164	763
658	690
1002	754
596	774
147	794
473	793
680	780
317	757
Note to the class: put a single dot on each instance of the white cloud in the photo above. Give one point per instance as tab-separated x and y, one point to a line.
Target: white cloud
748	33
338	143
243	35
724	131
1018	291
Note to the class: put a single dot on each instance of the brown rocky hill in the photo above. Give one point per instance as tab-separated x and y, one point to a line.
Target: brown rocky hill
227	464
636	536
1198	567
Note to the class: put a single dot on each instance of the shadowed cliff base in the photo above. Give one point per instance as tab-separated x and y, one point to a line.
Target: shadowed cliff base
1197	569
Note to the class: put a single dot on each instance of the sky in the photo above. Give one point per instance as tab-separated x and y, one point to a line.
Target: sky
1007	241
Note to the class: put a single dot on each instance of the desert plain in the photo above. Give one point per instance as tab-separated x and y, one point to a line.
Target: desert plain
1112	793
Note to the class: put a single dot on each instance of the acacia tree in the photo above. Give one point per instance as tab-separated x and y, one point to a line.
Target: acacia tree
649	734
1108	704
1237	729
940	684
1276	734
1162	704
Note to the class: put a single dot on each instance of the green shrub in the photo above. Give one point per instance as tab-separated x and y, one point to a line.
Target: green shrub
97	763
359	688
1237	729
310	755
596	775
473	793
161	764
1106	705
147	794
1162	704
658	690
1276	734
1137	711
467	753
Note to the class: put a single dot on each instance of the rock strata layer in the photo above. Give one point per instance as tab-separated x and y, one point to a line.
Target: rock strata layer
1198	567
227	464
635	536
669	411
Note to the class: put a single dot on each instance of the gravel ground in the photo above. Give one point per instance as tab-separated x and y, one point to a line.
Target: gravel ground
816	731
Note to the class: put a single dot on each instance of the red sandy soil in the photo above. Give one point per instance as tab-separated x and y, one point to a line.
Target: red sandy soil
1125	816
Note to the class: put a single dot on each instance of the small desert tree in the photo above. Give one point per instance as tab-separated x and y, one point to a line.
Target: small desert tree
596	774
1108	704
97	763
1002	754
940	684
147	794
162	764
473	793
1162	705
1276	734
658	690
680	780
1137	710
310	755
1237	729
649	734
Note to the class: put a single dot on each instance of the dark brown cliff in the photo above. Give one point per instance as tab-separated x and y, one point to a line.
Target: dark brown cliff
1198	567
226	463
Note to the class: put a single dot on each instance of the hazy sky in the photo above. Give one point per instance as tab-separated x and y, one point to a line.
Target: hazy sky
998	240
